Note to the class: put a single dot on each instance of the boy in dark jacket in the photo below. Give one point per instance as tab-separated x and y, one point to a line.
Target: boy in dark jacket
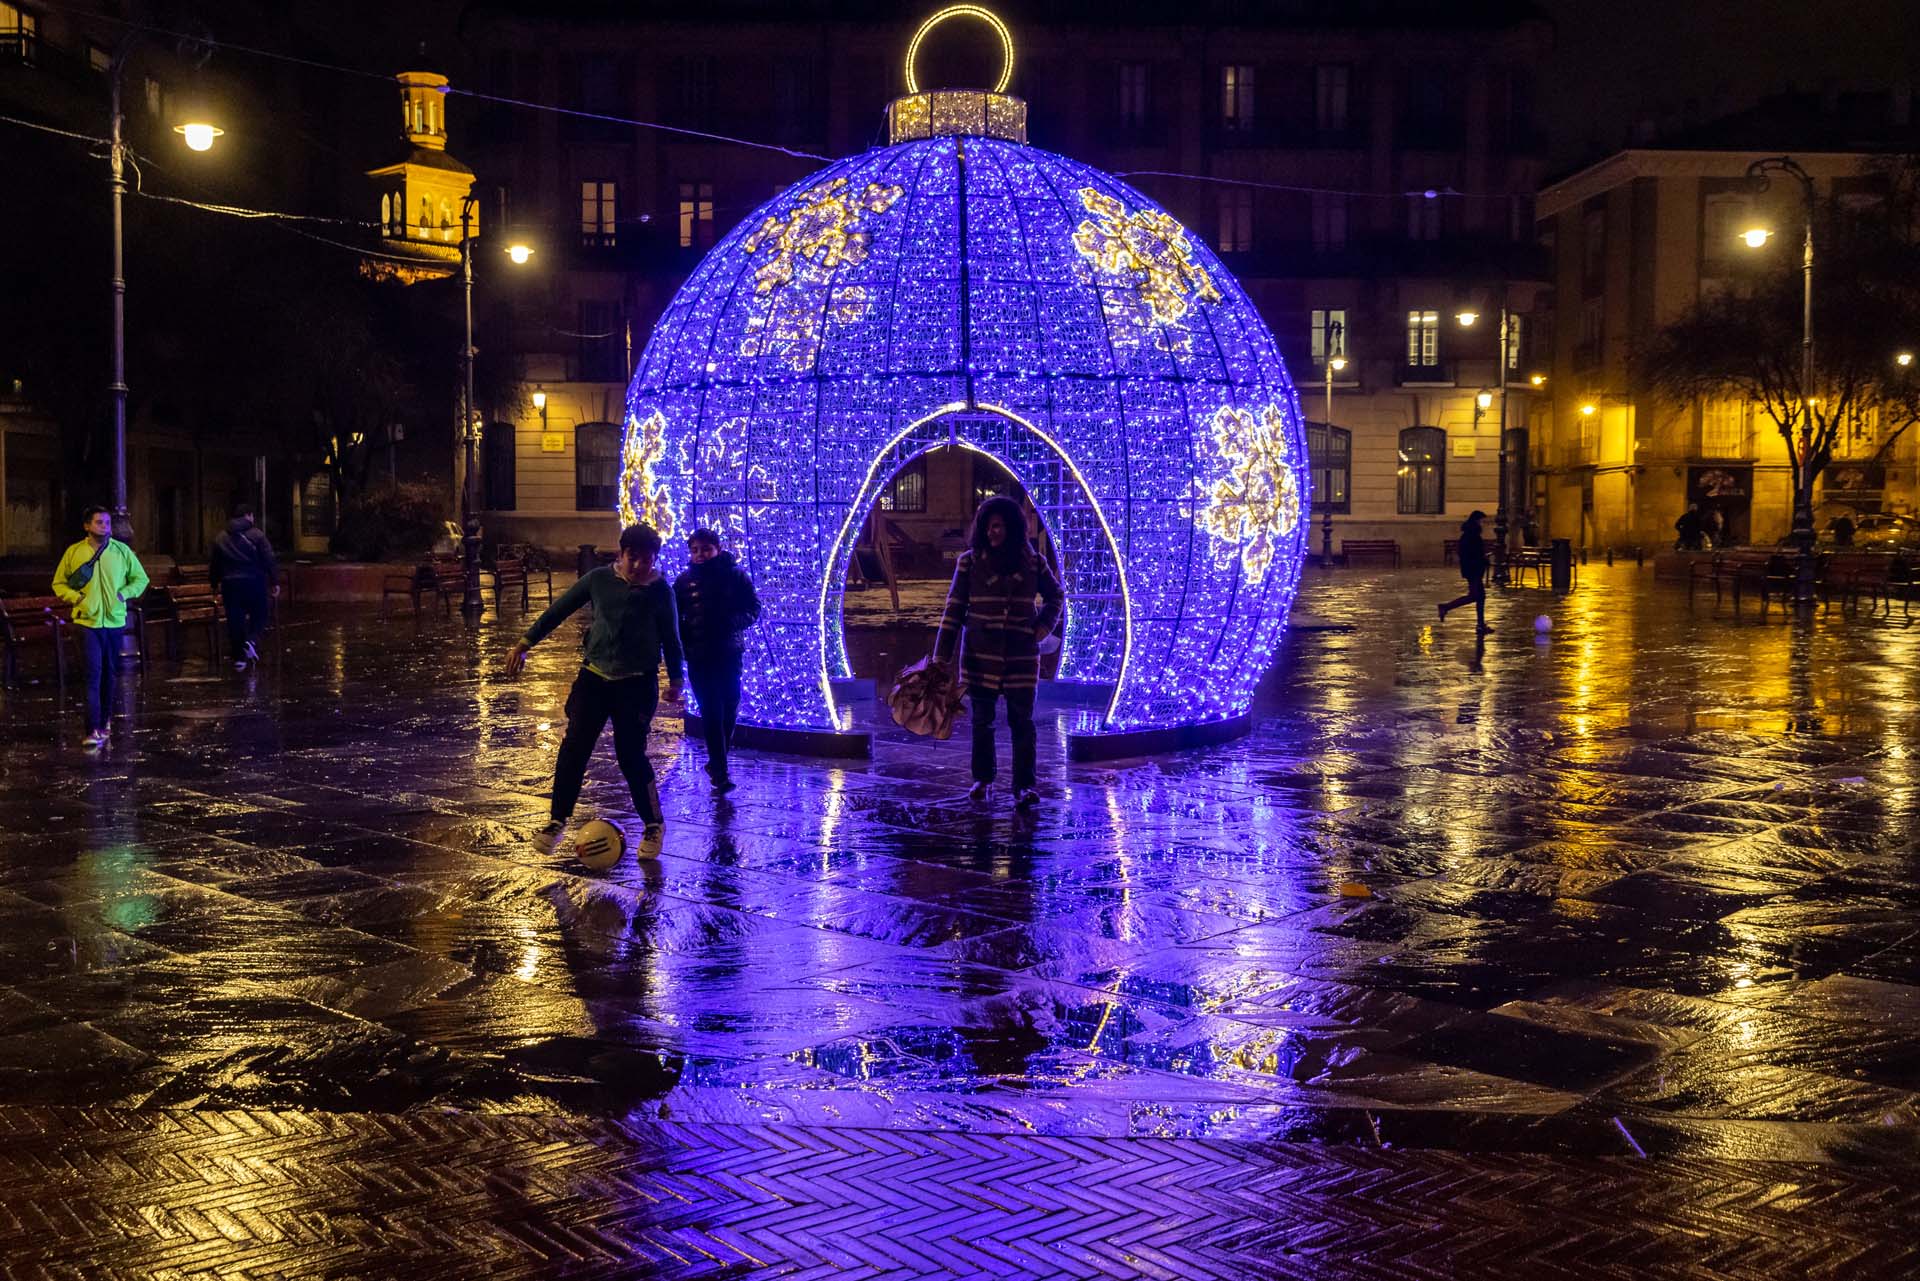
1473	568
243	566
633	631
717	605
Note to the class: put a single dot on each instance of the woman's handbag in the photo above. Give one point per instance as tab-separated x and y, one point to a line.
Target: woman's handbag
925	699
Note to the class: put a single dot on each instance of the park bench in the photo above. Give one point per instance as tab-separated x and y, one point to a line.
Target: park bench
1449	550
1356	550
1740	567
520	566
26	621
1874	575
179	605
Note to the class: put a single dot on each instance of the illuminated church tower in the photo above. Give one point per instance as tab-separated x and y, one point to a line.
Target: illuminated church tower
421	197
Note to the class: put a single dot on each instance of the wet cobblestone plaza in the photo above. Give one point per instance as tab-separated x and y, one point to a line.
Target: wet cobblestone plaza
1587	952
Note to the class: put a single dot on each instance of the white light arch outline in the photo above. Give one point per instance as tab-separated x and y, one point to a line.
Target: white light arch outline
865	496
964	11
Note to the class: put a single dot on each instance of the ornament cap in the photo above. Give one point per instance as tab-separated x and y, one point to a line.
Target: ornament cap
957	113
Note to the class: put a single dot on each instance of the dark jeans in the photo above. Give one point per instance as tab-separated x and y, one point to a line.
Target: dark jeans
102	648
716	684
1476	596
246	601
630	705
1019	725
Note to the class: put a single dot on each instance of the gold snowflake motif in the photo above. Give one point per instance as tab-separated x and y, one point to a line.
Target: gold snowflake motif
1148	255
828	228
643	495
1256	503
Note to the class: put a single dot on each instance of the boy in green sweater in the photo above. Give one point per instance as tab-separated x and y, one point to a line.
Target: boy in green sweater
634	629
98	576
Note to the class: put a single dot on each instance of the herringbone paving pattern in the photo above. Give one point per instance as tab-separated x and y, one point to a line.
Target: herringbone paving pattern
116	1193
1630	986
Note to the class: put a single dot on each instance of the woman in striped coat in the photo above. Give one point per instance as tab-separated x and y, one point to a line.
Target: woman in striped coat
991	616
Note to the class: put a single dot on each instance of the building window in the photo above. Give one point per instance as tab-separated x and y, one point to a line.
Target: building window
907	491
99	57
1593	248
1236	98
693	90
1423	471
599	202
1515	340
796	97
1423	340
1134	98
603	343
156	96
499	461
1592	332
1330	88
1329	222
19	34
1329	333
1723	429
596	467
1423	217
1330	456
991	480
1236	220
1726	215
696	215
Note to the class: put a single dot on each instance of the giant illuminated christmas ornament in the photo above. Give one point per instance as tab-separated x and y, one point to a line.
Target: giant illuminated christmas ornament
959	288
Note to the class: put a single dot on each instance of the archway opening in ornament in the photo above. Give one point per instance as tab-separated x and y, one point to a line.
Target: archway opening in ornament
944	467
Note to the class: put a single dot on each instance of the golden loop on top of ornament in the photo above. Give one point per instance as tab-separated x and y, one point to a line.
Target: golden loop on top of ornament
964	11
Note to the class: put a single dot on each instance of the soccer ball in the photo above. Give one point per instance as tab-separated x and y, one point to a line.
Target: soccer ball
599	845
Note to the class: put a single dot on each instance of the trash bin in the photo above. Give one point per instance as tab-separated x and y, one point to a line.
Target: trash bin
586	560
1560	564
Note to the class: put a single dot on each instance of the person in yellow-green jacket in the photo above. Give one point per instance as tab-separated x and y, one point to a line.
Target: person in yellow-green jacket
98	576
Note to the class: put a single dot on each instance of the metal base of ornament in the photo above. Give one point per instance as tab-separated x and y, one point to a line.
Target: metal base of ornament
1153	742
832	744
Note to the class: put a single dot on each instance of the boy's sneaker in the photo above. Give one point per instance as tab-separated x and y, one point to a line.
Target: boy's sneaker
253	655
980	791
1027	799
723	785
95	739
239	664
553	827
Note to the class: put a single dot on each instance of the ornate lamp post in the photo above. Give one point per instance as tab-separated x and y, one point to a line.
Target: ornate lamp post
1760	177
1336	360
198	136
471	603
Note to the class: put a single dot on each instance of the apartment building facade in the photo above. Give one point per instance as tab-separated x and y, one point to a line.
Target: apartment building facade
1365	170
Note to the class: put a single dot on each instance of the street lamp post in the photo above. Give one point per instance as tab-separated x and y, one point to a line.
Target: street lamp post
1335	360
470	602
1466	317
1759	176
199	136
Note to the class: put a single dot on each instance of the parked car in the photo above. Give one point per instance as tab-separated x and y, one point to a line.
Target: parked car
1881	531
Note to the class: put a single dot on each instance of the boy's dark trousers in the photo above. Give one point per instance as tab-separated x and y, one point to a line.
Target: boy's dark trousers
246	602
1019	725
716	684
101	646
630	705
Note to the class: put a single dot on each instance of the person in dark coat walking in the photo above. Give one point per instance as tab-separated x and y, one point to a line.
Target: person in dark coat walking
717	605
1473	568
633	631
243	565
990	616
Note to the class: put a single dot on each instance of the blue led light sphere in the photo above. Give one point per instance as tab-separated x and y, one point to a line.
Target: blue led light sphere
973	291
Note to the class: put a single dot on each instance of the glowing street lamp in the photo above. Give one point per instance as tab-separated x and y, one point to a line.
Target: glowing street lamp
199	134
1483	401
1904	359
1756	237
519	253
1538	380
1587	410
1466	316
